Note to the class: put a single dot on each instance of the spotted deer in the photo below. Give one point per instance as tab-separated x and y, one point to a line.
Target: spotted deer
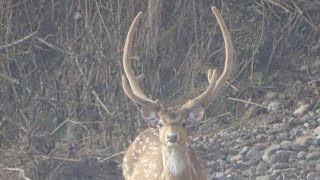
164	152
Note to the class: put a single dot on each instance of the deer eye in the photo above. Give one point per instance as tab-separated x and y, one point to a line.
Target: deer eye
159	125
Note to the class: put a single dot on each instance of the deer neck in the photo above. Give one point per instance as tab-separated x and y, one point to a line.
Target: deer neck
176	163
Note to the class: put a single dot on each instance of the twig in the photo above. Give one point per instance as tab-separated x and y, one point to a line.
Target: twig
93	91
21	172
51	45
114	155
278	4
59	158
18	41
215	117
248	102
255	51
14	81
101	103
60	125
232	86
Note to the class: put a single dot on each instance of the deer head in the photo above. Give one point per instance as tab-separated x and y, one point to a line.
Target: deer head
172	132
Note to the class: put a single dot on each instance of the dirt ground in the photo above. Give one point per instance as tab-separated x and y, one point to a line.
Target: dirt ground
64	115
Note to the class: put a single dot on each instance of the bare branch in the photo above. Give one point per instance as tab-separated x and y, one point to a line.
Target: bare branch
18	41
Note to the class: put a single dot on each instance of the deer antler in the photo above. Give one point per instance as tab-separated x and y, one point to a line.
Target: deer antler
215	85
134	91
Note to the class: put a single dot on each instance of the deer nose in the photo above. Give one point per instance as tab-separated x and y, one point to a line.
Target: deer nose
172	138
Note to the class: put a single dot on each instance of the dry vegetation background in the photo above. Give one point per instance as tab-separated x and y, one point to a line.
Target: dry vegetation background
63	114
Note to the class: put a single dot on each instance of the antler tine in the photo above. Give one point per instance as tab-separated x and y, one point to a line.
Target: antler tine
142	101
215	85
134	92
127	59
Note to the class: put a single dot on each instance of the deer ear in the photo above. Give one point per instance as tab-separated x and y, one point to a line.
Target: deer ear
149	115
195	114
